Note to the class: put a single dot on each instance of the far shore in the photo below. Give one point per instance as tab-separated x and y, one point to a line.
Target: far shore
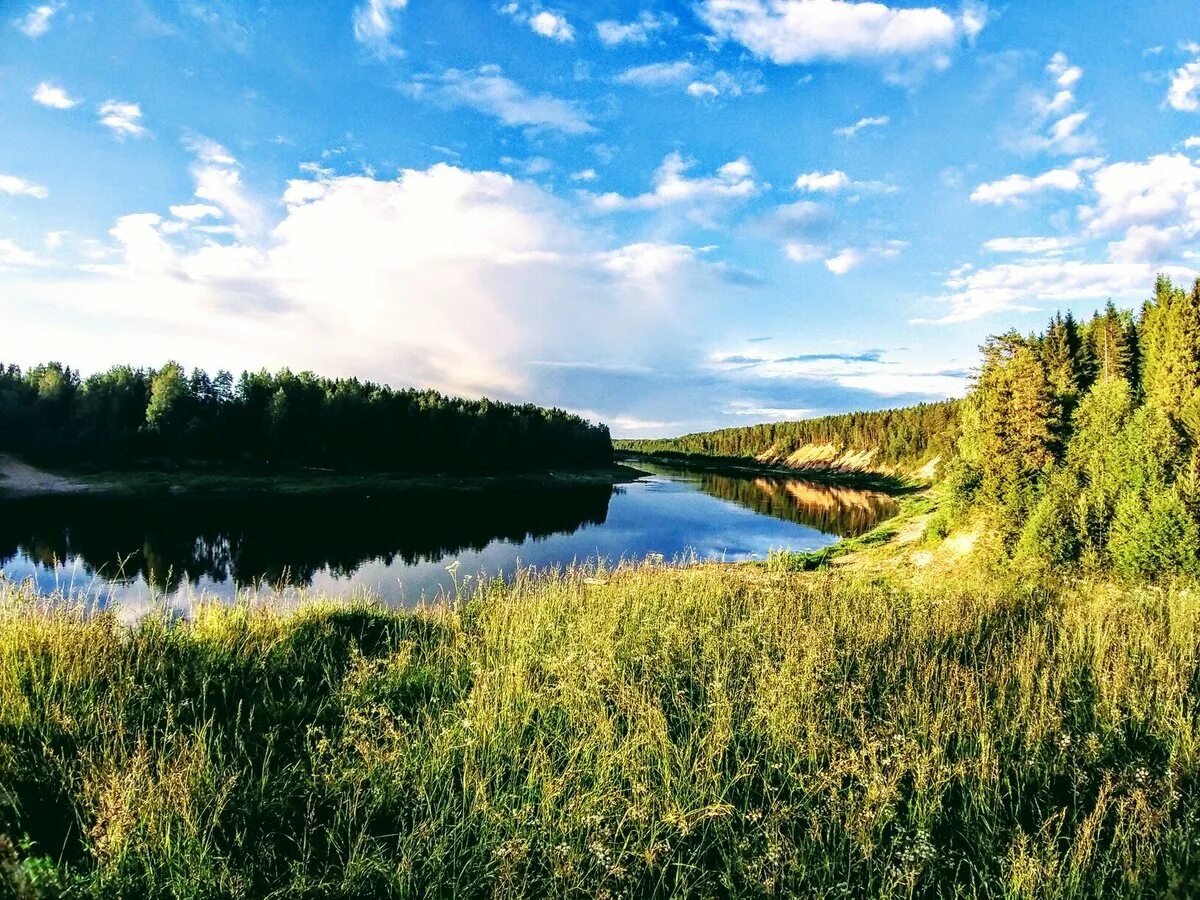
20	479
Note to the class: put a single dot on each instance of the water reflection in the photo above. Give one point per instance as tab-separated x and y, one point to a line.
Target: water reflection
830	509
400	546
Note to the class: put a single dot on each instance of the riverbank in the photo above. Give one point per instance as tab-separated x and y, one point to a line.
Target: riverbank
20	479
852	478
647	731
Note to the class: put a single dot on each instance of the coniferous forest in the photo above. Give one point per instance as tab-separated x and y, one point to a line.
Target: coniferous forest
50	414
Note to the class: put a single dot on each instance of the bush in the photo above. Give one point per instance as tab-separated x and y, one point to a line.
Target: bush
1153	537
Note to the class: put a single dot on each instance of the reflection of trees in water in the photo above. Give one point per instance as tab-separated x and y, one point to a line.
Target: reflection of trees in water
287	539
829	509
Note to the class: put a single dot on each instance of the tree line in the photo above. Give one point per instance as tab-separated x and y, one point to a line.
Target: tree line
125	415
899	438
1082	443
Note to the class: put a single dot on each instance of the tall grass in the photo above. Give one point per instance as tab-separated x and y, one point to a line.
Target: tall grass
649	731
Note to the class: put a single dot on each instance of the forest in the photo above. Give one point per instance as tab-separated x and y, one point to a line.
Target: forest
126	415
1080	446
902	438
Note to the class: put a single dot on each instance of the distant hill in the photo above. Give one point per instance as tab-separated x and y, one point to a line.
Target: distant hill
891	441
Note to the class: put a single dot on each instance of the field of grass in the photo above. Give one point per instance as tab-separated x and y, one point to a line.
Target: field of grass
650	731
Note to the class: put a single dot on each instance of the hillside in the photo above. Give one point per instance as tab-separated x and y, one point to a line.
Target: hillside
906	441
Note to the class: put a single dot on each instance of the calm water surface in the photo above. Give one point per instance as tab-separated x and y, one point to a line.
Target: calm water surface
403	547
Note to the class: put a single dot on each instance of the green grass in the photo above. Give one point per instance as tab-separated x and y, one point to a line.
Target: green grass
651	731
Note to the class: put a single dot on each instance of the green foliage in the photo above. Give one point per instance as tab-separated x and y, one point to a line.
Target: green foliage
1085	440
125	415
1153	534
898	438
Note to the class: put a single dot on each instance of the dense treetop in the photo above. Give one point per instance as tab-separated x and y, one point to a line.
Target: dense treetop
895	437
123	415
1082	443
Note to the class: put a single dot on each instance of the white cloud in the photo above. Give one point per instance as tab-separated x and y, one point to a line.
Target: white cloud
12	256
700	84
1184	92
193	212
612	33
219	182
374	25
733	182
849	131
1192	143
584	175
659	74
1017	187
553	26
1029	284
488	91
19	187
791	32
725	84
888	375
36	22
548	24
53	96
123	119
852	257
1154	206
428	279
1030	246
1054	127
836	182
800	252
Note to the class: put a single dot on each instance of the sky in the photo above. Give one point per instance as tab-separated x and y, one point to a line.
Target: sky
664	216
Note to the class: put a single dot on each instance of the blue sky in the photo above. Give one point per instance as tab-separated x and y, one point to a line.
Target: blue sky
665	216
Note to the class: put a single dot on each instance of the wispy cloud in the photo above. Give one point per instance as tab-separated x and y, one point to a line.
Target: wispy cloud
19	187
849	131
612	33
488	91
121	118
36	22
375	25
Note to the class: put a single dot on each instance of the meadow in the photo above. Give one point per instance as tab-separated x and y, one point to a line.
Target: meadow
647	731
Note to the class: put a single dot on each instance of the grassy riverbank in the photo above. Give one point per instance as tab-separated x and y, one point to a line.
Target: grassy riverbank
708	731
860	479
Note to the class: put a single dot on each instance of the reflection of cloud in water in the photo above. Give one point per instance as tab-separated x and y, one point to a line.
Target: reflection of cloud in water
400	548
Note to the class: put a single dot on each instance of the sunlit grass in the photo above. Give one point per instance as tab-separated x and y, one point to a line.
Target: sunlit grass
648	731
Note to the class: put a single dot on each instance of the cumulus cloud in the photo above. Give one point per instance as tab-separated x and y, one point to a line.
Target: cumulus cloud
53	96
733	182
19	187
429	279
797	32
122	119
375	25
849	131
36	22
1153	206
1184	92
488	91
612	33
548	24
12	256
1015	188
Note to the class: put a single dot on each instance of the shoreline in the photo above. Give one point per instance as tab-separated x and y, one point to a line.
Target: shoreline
20	480
878	481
